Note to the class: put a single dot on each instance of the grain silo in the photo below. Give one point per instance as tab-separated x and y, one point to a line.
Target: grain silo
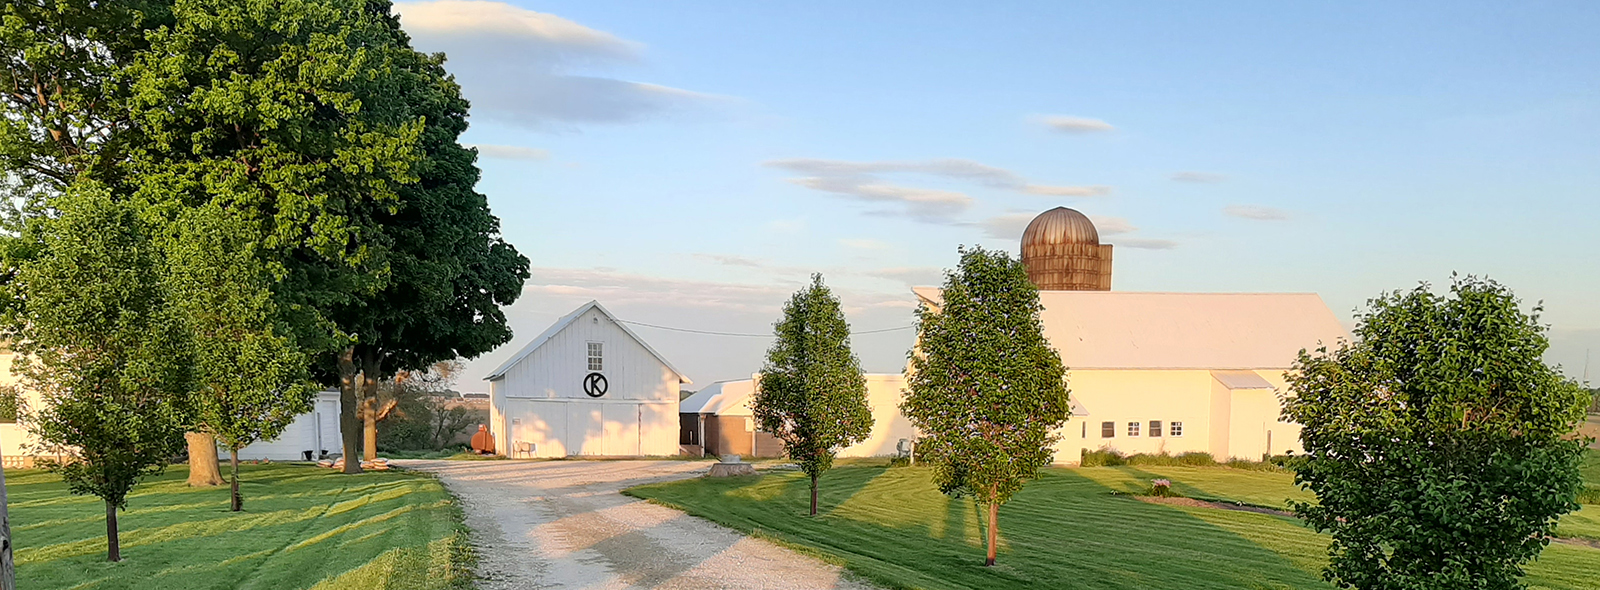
1062	252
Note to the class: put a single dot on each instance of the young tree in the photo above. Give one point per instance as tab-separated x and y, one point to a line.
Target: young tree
99	343
812	396
986	389
1438	441
250	380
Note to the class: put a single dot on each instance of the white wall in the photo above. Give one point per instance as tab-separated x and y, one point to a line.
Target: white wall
1226	423
556	369
884	393
1123	396
314	431
563	428
540	399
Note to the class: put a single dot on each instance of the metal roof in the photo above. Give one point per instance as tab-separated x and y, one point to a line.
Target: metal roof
1128	330
566	320
1241	380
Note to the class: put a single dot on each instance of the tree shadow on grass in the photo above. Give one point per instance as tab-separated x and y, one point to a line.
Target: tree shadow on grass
1064	530
281	541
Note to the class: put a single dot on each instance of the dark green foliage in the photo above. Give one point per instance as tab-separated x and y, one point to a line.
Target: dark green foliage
986	389
10	404
1436	442
103	348
812	396
427	415
1111	458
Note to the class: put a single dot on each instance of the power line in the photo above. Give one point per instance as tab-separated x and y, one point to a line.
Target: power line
743	335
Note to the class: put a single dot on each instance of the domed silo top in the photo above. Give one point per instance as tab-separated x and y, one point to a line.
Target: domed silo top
1062	252
1060	226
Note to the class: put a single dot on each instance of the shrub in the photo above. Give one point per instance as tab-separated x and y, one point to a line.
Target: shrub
1162	488
1589	495
1196	459
1102	458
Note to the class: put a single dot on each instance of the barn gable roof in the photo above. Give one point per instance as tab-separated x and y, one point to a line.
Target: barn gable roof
566	320
1130	330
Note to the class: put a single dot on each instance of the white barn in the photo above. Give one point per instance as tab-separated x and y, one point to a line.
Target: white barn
719	419
315	432
1179	372
586	386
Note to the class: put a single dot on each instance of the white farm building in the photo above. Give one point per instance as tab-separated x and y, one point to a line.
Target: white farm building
312	435
586	386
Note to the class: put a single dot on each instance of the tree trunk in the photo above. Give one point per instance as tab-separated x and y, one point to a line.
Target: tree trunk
238	501
369	428
113	546
994	530
813	495
349	425
8	579
204	471
370	369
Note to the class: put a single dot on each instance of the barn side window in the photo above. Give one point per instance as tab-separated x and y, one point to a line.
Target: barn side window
1133	429
1108	429
597	356
1155	428
1175	429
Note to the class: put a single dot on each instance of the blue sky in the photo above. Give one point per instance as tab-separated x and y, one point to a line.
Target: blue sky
690	164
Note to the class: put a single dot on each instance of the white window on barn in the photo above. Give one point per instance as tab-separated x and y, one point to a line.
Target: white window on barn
1108	430
1155	428
1133	429
597	356
1175	429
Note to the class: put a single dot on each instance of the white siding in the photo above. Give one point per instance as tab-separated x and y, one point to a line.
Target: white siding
315	431
557	368
540	400
562	428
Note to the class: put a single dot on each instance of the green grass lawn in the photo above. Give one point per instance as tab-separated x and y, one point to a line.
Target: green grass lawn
303	527
1067	529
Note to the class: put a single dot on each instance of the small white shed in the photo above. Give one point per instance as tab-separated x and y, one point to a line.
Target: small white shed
587	386
316	432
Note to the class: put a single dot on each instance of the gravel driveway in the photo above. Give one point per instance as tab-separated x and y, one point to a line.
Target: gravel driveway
563	524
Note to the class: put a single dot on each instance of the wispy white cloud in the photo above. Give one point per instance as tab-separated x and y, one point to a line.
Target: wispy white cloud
1256	212
1197	177
1110	226
1006	227
731	260
1011	225
787	226
1068	124
863	181
1068	191
510	152
521	67
913	275
1146	244
863	243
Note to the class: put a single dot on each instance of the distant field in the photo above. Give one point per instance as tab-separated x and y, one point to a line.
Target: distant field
303	527
1068	529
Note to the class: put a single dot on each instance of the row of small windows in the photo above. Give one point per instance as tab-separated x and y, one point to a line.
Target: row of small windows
1109	429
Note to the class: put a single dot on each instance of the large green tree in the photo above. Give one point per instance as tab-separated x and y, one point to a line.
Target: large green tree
449	272
283	112
250	379
101	344
986	390
812	396
1438	442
